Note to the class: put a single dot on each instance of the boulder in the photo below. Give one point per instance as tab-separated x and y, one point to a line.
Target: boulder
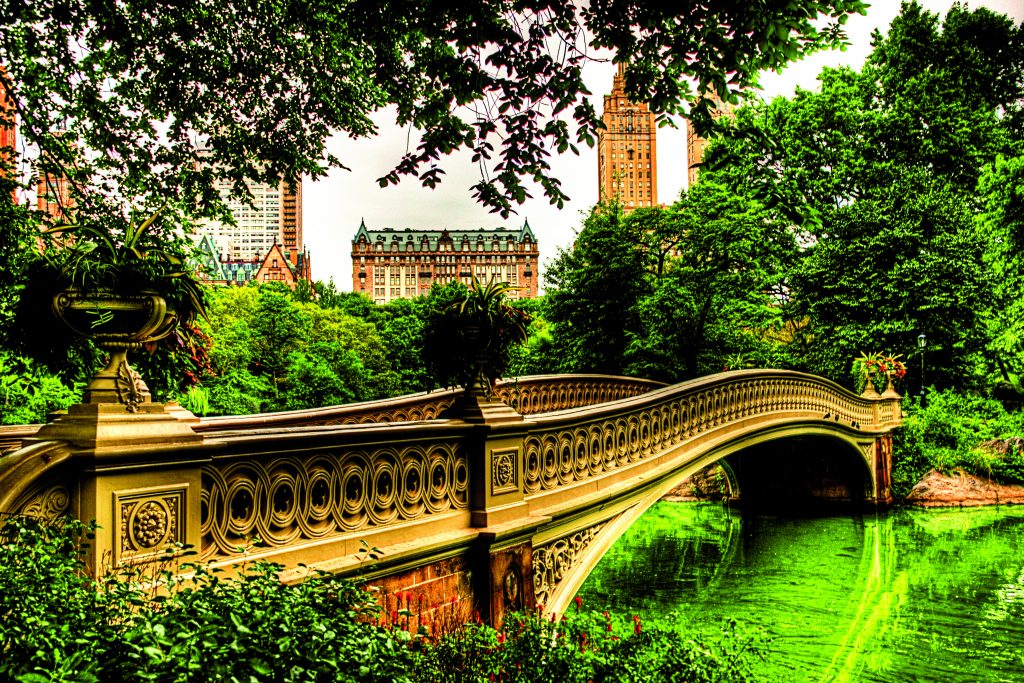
960	489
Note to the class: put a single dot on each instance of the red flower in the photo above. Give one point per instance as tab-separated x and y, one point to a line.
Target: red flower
579	602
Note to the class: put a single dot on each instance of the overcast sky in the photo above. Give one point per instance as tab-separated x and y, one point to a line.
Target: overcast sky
334	206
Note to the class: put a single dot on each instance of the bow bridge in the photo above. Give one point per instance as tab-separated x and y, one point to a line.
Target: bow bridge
478	504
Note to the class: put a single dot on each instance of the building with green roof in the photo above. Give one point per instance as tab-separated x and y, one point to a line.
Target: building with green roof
395	263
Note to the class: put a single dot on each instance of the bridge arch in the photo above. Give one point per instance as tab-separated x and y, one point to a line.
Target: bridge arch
598	530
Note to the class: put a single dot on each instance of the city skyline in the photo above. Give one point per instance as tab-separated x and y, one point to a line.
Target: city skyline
335	205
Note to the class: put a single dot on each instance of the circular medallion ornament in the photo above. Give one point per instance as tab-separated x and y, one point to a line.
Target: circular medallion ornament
150	524
504	470
513	589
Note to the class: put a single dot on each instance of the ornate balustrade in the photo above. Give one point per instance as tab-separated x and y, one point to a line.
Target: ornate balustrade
307	487
565	448
528	395
541	394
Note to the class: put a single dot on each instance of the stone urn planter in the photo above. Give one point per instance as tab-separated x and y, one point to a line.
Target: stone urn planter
117	322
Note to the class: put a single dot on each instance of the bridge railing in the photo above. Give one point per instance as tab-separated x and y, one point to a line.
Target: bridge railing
310	486
568	447
298	489
528	395
284	481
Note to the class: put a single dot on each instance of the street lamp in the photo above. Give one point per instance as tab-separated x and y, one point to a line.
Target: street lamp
921	344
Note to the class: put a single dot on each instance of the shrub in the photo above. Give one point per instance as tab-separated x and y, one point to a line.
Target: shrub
28	392
56	624
947	434
49	628
583	647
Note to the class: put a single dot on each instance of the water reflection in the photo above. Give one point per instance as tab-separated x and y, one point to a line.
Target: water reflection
914	595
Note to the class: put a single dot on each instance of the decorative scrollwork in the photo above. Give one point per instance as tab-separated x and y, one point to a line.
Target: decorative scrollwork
292	499
503	471
130	387
557	457
553	561
45	502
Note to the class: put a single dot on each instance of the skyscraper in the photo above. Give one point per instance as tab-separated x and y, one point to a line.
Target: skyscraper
696	144
291	217
274	217
627	150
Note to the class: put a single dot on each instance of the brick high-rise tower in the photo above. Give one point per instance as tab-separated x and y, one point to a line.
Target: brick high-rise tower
627	150
291	217
8	128
695	144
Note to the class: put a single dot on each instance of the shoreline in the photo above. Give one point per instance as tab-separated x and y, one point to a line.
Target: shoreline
958	489
961	489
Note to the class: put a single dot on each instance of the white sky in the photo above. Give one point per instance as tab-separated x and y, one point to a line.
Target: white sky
334	205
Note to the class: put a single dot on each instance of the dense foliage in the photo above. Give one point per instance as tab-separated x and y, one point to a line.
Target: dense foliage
855	217
957	432
56	624
159	99
886	162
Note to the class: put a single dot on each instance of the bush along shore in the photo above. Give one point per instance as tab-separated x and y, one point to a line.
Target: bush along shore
56	624
959	449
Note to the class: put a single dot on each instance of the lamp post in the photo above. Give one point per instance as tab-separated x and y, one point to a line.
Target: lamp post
921	341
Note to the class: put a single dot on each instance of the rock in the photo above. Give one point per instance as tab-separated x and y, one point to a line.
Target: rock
962	490
710	483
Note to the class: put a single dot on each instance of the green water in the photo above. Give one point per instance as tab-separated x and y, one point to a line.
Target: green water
909	595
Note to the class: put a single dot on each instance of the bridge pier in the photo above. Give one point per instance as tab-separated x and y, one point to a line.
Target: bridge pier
883	469
503	556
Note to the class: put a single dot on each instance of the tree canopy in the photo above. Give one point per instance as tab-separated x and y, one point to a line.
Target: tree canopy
886	162
159	98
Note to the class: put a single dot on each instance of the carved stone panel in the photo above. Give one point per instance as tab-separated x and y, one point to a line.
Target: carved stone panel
504	473
148	521
552	562
47	501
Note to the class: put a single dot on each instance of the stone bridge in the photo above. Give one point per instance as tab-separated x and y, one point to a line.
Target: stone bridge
486	508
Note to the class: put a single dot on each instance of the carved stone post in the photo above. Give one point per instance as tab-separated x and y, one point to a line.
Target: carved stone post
503	559
137	474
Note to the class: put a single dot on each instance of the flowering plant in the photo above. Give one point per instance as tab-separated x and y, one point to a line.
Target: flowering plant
869	366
